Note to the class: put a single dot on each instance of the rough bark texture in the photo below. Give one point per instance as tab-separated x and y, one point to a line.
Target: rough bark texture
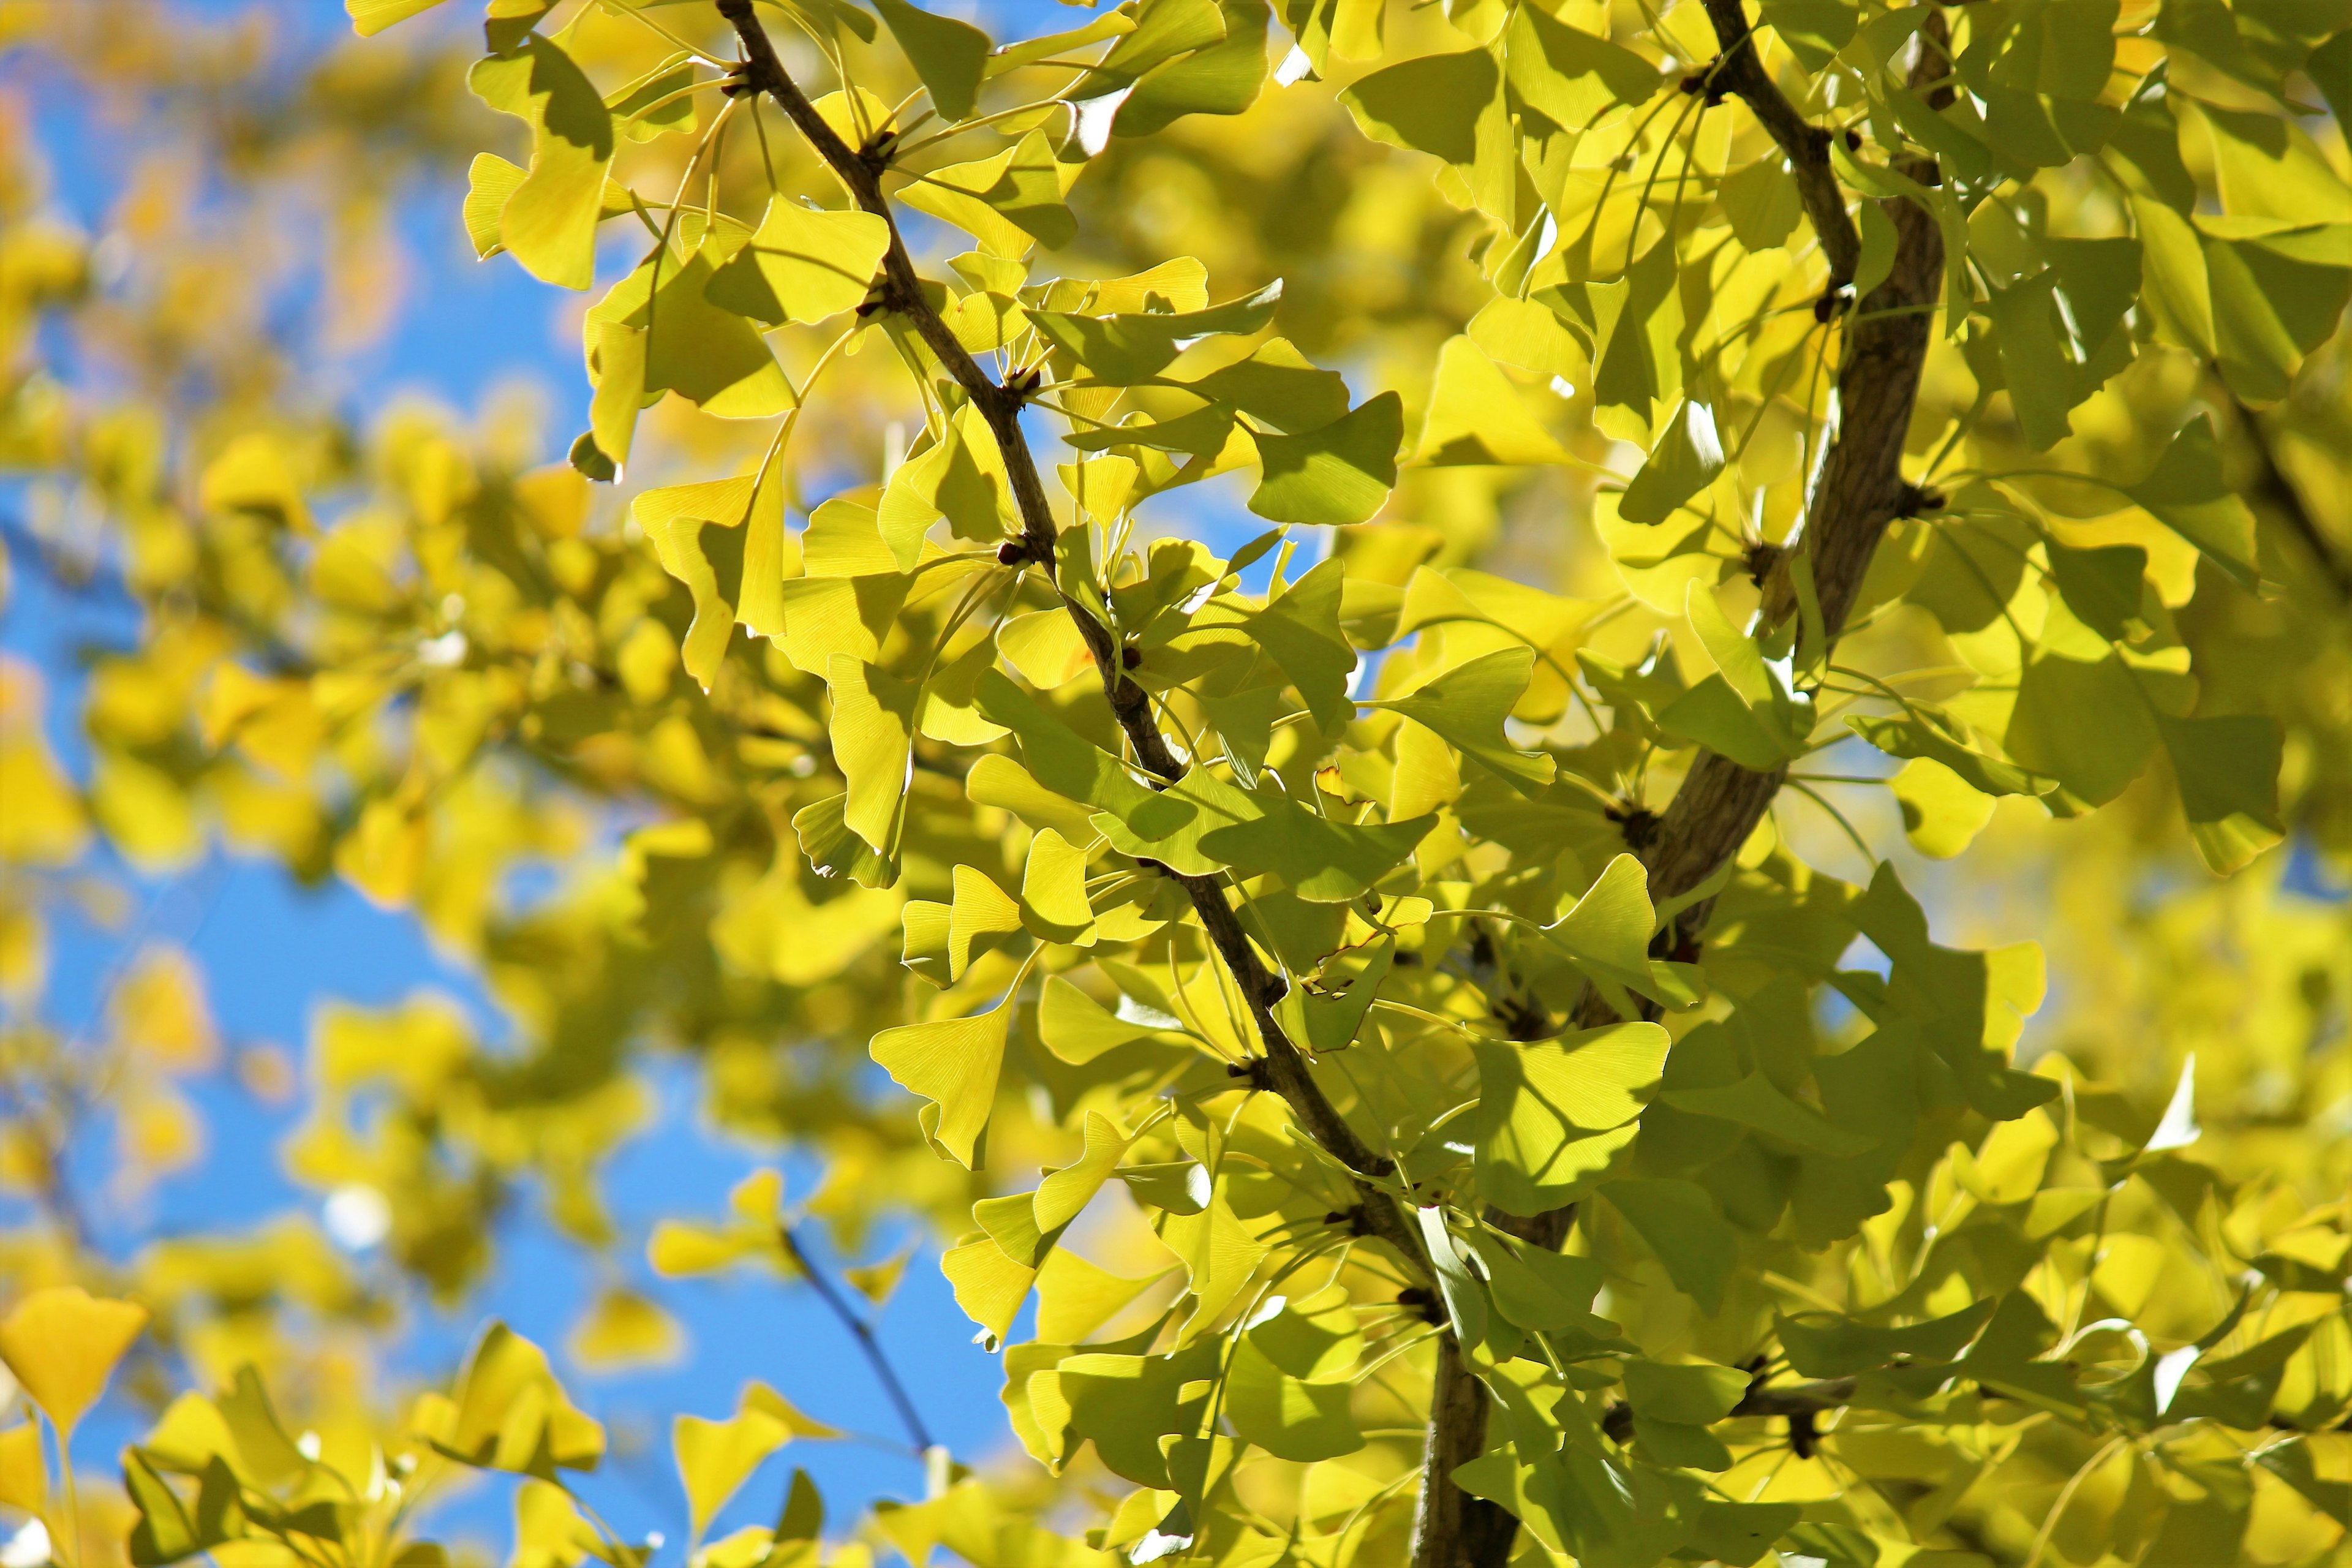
1861	489
1280	1066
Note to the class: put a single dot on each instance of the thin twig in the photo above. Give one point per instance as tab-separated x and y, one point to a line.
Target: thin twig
861	1331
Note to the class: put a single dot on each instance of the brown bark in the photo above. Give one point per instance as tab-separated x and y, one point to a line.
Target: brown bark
1861	489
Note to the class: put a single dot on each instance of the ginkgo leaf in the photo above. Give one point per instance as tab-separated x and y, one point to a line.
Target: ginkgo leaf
802	264
1005	201
1430	104
1299	630
1757	1101
1687	457
1336	475
948	55
1467	705
1537	1144
1203	433
953	1064
716	1458
1054	891
1476	416
625	1330
548	223
1127	348
1289	1418
370	18
1571	76
1942	812
1607	935
62	1344
673	518
873	731
1076	1028
2227	770
1221	79
2187	491
1278	385
1683	1227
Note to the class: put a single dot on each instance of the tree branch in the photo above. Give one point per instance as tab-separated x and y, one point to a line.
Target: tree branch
1860	491
1740	71
863	1333
1280	1067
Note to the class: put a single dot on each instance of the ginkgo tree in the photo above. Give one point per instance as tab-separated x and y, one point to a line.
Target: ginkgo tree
1426	978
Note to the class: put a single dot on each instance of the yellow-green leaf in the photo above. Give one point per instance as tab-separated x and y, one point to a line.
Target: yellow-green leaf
953	1064
62	1344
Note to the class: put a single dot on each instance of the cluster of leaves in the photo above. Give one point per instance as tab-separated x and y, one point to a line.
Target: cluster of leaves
1368	947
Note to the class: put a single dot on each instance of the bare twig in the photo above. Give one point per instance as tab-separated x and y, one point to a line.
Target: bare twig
862	1332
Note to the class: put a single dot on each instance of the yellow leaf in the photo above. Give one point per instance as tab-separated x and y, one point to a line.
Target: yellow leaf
953	1063
623	1329
715	1458
158	1009
24	1474
759	1397
678	1249
62	1344
252	474
1475	414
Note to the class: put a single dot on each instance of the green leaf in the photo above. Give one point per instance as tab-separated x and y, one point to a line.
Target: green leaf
873	732
1553	1113
953	1064
1464	1295
1300	632
1695	1396
1223	79
1336	475
1165	30
1203	433
1681	1225
948	55
1125	1403
1607	935
1685	461
800	264
832	850
1126	348
1467	706
2039	377
1004	201
632	104
1277	387
1814	30
1829	1345
2227	770
1322	1020
1287	1417
1571	76
1756	1102
2187	492
1430	105
1926	731
1476	417
167	1530
1942	812
549	223
1076	1028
